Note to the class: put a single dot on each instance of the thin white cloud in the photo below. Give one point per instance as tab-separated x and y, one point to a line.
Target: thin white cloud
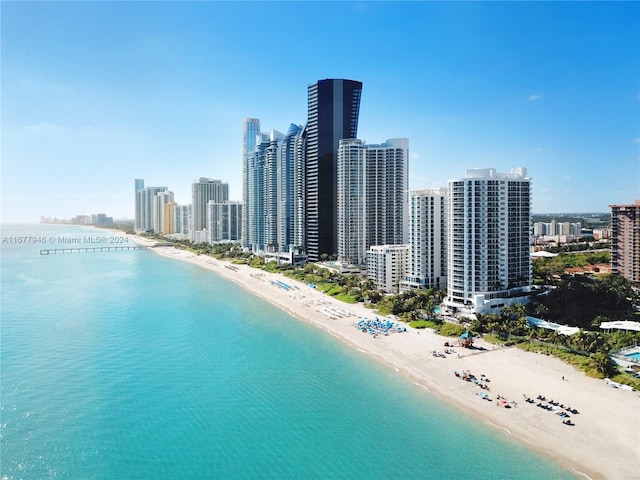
534	97
43	127
545	190
636	140
567	177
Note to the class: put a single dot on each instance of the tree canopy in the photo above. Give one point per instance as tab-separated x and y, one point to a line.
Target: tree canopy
585	302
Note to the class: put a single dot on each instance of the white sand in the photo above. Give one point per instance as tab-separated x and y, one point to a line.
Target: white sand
604	443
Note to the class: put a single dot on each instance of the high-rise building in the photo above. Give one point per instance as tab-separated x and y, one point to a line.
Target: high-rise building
427	240
144	208
224	221
160	201
182	219
333	109
287	157
489	228
139	186
253	234
351	202
387	187
250	134
261	194
372	184
203	190
169	219
299	190
271	182
625	240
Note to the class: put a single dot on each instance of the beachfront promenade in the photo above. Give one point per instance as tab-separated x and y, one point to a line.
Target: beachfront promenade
603	442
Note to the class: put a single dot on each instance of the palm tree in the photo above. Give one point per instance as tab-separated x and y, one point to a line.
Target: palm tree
541	310
429	308
579	340
554	337
369	284
602	364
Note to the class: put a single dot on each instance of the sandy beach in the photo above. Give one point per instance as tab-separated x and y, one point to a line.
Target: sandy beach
604	441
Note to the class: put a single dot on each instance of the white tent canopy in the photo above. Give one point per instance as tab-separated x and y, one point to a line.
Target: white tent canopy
543	254
561	329
621	325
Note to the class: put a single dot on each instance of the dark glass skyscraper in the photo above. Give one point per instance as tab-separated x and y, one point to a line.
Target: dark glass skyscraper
333	108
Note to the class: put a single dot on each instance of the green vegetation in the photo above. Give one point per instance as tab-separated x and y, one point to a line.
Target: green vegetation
545	270
451	330
580	246
422	303
420	324
446	329
586	302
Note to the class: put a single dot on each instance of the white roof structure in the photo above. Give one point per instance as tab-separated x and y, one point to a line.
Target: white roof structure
564	330
621	325
543	254
561	329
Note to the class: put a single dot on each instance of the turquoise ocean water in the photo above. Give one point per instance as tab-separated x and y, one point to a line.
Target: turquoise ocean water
129	365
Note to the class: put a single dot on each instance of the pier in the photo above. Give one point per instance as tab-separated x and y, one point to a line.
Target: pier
50	251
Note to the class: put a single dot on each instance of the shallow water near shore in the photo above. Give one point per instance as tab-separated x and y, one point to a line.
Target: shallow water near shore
130	365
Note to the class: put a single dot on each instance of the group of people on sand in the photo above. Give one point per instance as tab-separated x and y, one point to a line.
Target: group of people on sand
482	383
555	407
469	377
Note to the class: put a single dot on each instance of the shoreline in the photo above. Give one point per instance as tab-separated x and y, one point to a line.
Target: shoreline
603	443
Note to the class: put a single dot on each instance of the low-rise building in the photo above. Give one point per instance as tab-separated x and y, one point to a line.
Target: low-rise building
387	266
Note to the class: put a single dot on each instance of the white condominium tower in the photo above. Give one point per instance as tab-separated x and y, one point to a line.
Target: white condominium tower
182	219
144	220
427	240
203	190
488	256
387	266
372	185
352	243
224	221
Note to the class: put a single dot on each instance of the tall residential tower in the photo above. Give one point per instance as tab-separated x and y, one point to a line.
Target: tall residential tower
625	240
250	133
333	108
427	240
372	184
203	190
489	231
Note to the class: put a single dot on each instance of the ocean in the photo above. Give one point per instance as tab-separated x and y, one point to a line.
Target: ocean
126	364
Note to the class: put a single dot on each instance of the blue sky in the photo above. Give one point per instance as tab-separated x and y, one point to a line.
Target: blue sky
96	94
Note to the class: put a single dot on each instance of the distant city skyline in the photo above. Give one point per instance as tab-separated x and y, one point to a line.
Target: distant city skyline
98	93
